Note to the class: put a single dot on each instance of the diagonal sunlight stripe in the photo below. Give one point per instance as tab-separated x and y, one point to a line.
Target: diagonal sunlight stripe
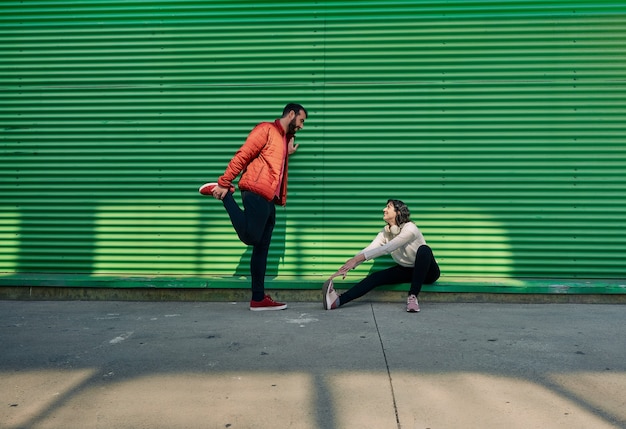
473	400
81	399
604	391
185	400
30	396
9	239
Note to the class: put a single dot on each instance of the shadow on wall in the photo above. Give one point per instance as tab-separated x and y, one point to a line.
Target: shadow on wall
123	237
492	258
117	237
48	239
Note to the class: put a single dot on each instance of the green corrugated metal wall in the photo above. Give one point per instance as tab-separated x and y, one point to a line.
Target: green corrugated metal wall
501	123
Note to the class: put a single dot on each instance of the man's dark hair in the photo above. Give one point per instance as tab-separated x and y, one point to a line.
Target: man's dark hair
403	215
296	108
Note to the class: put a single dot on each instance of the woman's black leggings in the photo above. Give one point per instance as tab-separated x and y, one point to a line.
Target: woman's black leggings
425	271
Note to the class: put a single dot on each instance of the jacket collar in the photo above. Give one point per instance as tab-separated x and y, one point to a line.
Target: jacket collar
279	127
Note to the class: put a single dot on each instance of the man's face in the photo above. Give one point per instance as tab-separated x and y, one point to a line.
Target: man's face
297	123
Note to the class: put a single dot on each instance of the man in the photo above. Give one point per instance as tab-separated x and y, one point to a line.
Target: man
262	162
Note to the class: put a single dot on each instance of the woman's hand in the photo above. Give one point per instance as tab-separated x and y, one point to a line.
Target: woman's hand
350	264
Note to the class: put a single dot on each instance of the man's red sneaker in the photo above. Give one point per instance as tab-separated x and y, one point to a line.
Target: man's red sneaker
207	188
267	304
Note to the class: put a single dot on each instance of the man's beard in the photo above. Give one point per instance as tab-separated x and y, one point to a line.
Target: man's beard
291	128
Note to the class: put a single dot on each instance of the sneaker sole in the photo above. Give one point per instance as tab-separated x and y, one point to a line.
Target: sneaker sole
279	307
204	188
412	311
325	293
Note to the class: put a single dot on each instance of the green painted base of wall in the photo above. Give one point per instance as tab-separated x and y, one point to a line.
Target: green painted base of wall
448	289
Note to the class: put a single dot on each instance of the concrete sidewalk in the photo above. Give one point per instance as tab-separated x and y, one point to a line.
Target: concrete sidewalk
77	364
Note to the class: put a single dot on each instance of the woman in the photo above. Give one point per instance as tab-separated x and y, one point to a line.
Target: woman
415	263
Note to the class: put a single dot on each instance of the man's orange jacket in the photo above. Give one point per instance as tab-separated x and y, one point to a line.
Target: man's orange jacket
260	162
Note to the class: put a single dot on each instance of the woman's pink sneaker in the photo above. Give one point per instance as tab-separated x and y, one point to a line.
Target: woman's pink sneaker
330	298
412	306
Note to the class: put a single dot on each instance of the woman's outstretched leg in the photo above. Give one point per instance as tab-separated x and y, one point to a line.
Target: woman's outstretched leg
390	276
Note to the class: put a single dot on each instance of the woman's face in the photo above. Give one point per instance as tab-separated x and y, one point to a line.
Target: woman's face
389	214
